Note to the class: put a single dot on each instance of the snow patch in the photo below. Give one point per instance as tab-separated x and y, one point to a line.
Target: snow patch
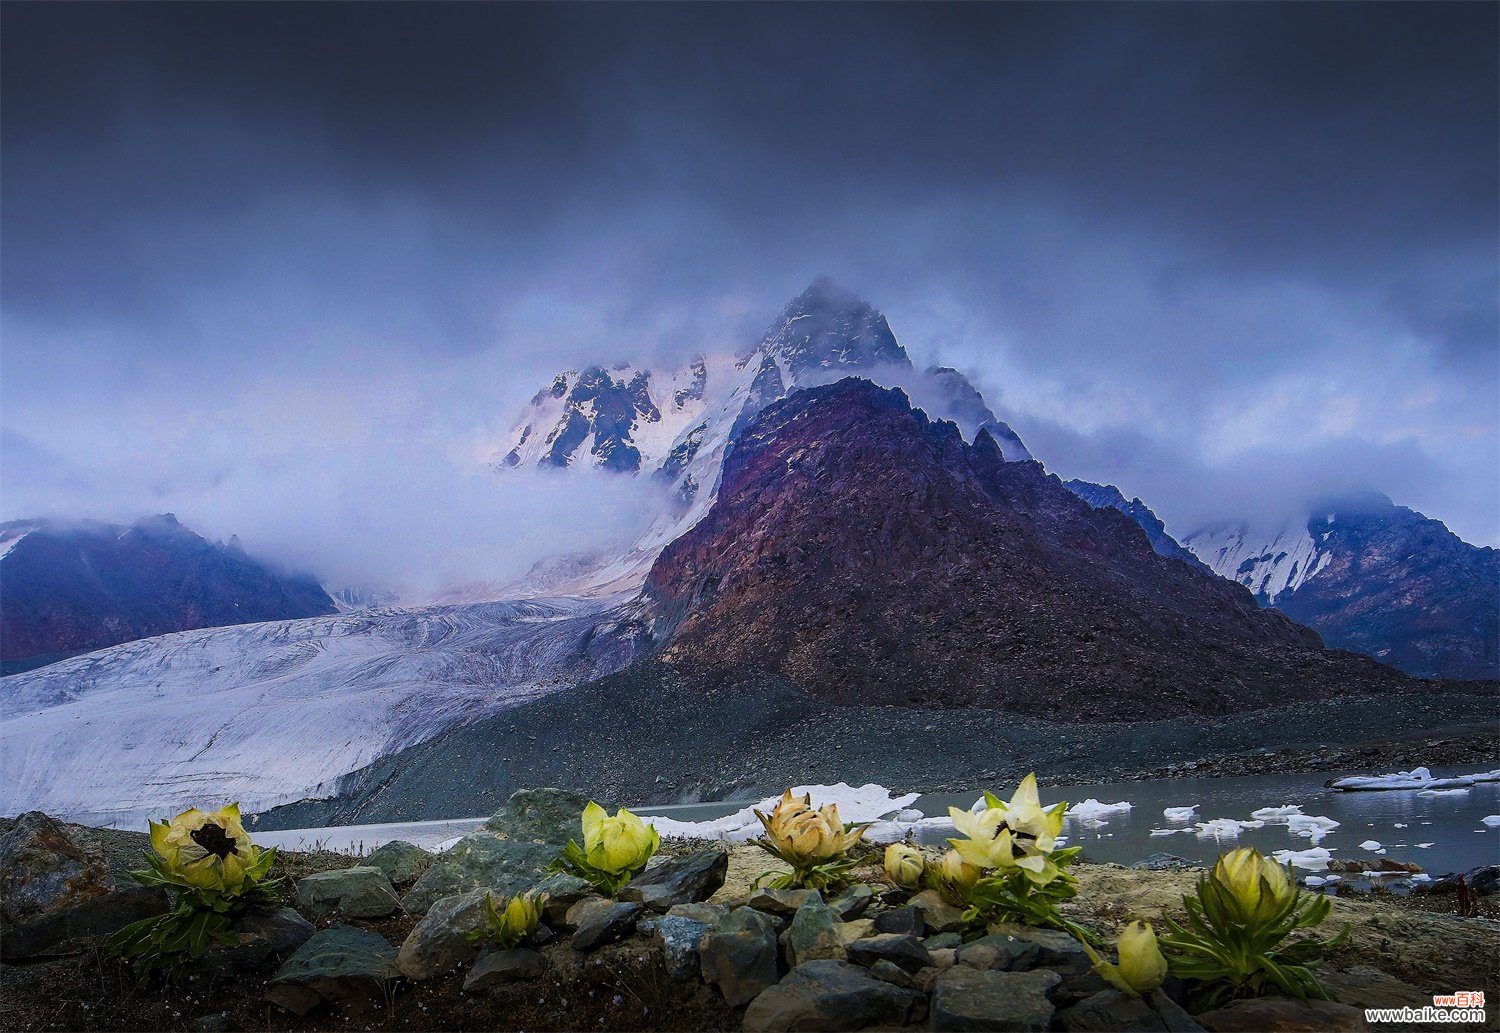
867	803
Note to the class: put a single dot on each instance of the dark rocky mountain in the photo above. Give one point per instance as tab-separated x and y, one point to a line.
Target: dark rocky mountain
1107	496
1377	578
68	588
867	554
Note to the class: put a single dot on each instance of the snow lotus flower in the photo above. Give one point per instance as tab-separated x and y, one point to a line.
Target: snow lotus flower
519	919
619	844
1257	885
1141	963
956	878
813	841
1019	834
209	851
904	866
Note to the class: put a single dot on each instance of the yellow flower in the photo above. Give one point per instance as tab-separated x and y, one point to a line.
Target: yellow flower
805	836
1027	820
1141	963
522	915
957	877
987	842
211	851
904	866
1259	886
618	844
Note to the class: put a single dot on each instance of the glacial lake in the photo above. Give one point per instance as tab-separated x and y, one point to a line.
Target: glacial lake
1442	834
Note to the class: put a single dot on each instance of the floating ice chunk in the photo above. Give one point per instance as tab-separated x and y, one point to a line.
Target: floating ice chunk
1092	810
1459	791
1224	828
1314	881
1287	810
1421	877
1180	813
1370	844
1399	825
1166	832
1492	820
1423	846
1314	859
1416	778
867	803
1311	826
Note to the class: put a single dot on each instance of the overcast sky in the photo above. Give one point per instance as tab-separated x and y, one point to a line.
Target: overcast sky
287	268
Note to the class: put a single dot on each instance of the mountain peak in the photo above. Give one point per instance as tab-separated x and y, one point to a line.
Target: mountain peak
826	327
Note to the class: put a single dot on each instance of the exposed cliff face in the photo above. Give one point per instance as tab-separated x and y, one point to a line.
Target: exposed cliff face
1376	578
72	588
870	556
1107	496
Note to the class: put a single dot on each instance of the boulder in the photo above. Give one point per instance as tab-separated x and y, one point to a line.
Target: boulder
907	920
360	892
783	903
944	941
852	902
968	999
858	929
739	955
1174	1015
261	935
481	860
813	934
680	937
1054	948
890	972
549	816
999	951
1484	881
439	942
342	965
938	916
496	968
400	861
832	995
1283	1015
597	921
1161	862
563	891
679	880
1111	1011
906	951
56	888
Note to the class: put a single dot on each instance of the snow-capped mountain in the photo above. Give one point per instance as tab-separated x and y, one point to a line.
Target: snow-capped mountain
271	713
1107	496
677	425
1376	578
74	586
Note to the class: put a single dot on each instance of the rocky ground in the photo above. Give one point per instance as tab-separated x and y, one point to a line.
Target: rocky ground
751	740
377	942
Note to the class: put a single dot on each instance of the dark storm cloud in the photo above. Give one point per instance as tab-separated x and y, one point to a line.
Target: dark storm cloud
1220	232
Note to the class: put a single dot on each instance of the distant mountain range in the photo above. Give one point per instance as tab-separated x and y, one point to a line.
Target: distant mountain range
837	525
68	588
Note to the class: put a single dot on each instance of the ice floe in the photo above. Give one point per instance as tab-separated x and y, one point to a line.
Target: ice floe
1090	813
1180	813
1225	828
1416	778
1458	791
891	814
1314	859
1492	820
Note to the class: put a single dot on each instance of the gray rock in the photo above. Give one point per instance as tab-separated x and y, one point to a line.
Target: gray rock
1078	986
1054	948
597	922
778	902
495	968
1164	863
906	951
439	942
680	938
708	914
56	890
852	902
679	880
832	995
938	916
550	816
1111	1011
1174	1015
481	860
890	972
1484	881
999	951
813	934
401	862
262	935
739	955
906	920
968	999
218	1022
360	892
563	891
858	929
342	965
944	941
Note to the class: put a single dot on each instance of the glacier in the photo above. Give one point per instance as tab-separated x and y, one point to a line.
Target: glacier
275	712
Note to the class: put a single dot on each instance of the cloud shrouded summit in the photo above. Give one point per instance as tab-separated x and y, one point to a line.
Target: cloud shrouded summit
290	270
